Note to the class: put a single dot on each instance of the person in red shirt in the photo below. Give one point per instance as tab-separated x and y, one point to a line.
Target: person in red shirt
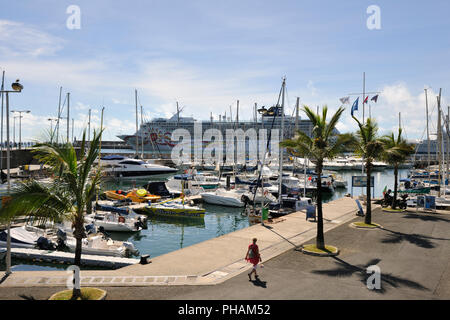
253	257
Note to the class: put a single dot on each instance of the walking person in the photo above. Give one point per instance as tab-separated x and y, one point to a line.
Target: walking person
254	258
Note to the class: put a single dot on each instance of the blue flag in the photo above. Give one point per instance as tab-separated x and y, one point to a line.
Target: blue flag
355	106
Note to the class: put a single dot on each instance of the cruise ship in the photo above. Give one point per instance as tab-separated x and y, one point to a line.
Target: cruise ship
155	136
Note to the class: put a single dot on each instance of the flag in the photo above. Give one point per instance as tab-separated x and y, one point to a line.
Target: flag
384	190
345	100
374	98
355	106
365	100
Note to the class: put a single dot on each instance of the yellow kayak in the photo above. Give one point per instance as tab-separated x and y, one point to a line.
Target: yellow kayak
140	195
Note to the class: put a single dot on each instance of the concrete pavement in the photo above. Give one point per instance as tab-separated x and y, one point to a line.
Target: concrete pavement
412	252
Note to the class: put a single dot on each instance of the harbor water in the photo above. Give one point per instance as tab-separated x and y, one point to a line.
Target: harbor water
165	235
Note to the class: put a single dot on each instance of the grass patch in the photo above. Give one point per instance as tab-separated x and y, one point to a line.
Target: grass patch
312	249
393	210
86	294
365	225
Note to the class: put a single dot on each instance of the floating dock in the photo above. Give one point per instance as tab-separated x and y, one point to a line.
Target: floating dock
62	257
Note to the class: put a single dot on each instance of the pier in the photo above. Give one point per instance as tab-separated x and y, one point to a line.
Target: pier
62	257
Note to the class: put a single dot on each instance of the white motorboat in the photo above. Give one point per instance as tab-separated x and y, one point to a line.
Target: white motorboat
113	221
95	244
222	197
235	197
98	244
21	237
123	167
338	181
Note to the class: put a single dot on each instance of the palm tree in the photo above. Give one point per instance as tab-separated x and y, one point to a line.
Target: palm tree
369	147
395	152
324	143
73	188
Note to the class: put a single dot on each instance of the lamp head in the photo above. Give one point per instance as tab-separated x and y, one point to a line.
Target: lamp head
262	110
17	86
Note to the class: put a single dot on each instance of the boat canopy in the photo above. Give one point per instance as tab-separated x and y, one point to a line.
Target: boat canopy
112	157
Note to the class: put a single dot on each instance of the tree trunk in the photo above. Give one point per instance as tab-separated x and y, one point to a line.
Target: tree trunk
320	240
368	218
88	207
79	234
78	247
76	293
395	187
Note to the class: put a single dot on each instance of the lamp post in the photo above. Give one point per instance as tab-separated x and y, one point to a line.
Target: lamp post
20	124
262	111
16	87
51	127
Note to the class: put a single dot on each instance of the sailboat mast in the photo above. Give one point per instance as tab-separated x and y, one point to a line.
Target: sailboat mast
428	131
59	115
142	133
1	134
68	115
137	137
447	151
439	136
281	149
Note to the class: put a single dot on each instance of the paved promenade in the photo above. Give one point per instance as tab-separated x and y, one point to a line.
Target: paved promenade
412	251
206	263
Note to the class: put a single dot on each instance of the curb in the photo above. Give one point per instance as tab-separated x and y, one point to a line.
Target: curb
102	297
318	254
376	226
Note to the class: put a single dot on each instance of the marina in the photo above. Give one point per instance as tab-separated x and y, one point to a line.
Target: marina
223	151
167	234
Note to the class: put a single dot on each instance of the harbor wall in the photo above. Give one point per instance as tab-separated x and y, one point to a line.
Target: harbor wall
22	157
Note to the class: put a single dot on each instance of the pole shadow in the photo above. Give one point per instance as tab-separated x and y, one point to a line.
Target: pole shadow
285	239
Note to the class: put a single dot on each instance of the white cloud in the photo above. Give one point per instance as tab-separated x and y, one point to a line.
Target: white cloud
18	39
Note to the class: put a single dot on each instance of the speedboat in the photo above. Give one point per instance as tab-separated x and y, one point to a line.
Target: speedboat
123	167
21	237
175	208
98	244
113	221
338	181
48	239
223	197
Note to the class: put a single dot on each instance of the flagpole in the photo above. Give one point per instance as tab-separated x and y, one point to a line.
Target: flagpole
364	92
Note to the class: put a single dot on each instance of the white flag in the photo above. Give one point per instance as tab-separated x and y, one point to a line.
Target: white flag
345	100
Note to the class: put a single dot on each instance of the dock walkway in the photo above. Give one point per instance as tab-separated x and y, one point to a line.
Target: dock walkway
67	257
206	263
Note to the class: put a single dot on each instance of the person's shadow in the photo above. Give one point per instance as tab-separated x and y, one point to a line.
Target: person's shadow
258	283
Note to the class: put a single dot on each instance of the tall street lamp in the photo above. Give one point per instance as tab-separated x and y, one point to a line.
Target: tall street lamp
20	124
51	127
16	87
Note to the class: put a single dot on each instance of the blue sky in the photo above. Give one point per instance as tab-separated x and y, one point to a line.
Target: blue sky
208	54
